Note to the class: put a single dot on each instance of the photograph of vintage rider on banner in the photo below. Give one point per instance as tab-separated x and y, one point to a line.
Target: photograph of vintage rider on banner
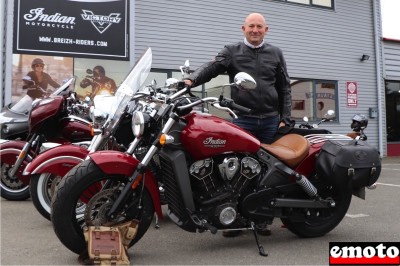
95	77
46	73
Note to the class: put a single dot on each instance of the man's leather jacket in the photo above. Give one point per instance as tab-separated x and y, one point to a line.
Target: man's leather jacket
266	65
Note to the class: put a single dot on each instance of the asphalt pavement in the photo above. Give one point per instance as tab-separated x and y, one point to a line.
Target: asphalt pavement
28	239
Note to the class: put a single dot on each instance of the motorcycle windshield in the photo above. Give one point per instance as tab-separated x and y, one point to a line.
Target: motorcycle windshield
67	86
129	87
24	105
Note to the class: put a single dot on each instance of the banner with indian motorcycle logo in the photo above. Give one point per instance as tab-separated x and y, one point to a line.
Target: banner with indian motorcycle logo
75	28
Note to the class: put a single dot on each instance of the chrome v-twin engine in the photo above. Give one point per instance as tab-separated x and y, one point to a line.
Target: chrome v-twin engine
223	180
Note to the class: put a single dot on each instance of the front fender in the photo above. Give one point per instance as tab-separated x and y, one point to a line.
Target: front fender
9	152
57	161
5	144
118	163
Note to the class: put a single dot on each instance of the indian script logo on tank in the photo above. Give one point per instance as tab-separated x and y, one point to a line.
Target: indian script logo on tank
214	143
37	17
101	22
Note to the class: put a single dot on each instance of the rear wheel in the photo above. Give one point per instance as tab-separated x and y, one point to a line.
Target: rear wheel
83	199
318	222
42	188
11	187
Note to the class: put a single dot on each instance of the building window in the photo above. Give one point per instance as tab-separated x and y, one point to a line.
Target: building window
318	3
393	110
313	98
298	105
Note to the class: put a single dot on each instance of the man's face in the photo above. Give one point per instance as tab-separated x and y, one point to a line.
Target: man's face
254	29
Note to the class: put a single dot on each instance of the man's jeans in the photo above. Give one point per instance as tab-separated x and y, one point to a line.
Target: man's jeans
262	128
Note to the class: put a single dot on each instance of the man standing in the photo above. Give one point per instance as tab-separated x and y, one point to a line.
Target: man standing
270	102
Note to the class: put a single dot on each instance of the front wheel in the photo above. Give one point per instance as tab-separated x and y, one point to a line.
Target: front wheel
83	199
11	187
318	222
42	188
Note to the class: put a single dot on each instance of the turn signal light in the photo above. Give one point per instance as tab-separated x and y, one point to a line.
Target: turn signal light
91	129
137	181
166	139
163	139
22	154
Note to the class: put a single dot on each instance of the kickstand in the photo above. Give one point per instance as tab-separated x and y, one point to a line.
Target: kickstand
260	247
157	225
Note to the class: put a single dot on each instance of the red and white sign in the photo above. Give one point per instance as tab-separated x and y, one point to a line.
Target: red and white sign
364	253
352	89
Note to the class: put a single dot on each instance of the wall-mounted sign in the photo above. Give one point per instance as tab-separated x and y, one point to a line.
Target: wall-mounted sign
75	28
352	90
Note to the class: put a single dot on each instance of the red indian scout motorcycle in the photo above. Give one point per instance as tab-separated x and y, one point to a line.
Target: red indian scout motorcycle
50	124
216	176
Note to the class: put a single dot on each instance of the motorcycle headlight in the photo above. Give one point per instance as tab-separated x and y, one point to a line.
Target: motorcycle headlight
5	129
139	121
98	117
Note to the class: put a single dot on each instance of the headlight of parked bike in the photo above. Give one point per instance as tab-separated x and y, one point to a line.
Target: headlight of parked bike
5	129
139	122
98	117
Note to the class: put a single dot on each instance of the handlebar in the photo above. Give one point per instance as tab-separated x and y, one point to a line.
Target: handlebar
219	103
224	102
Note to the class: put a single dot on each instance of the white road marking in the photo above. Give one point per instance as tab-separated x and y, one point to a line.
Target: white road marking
390	185
390	169
359	215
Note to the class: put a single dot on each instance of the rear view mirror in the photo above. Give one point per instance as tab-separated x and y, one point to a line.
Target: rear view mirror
245	81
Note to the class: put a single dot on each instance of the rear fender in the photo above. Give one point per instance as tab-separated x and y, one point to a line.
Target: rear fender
9	152
57	161
118	163
307	166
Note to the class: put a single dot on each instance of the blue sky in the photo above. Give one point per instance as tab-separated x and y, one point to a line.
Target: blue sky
390	19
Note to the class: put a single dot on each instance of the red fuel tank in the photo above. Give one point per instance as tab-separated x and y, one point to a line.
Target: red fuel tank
44	110
75	129
206	135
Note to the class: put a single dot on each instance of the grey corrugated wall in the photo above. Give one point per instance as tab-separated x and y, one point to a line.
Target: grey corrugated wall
392	60
317	43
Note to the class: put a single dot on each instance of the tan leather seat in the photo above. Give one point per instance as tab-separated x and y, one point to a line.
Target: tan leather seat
352	135
290	149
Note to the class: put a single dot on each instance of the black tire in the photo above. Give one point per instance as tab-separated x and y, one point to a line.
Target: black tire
42	188
11	187
320	222
66	203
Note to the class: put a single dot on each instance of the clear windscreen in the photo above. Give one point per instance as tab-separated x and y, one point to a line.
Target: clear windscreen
128	88
24	105
68	85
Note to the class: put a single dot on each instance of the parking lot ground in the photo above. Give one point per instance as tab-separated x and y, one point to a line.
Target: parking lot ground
28	239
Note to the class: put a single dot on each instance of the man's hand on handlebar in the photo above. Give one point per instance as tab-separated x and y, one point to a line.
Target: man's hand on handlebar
188	82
